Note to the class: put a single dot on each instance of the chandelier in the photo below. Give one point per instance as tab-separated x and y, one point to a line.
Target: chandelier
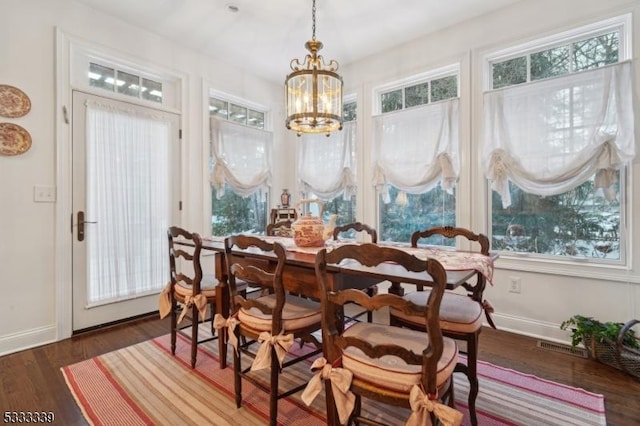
313	91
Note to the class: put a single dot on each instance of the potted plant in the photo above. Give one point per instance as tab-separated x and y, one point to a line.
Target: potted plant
612	343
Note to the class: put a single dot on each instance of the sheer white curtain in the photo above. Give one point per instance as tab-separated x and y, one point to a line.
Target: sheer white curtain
327	165
241	157
129	195
550	136
417	148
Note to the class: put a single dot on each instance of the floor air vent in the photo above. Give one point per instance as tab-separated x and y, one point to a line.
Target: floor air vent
565	349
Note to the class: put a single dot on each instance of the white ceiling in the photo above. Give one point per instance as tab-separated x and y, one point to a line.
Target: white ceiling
267	34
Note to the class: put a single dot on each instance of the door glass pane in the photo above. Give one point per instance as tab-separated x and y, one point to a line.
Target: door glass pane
151	90
102	77
128	84
129	198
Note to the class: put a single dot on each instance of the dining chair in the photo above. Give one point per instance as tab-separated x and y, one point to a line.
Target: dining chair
273	320
189	292
280	229
358	227
388	364
460	314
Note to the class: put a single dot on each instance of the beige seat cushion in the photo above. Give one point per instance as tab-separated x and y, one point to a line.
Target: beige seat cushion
207	287
458	312
389	371
297	313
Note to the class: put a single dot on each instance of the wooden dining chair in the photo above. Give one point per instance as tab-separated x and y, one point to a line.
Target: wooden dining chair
393	365
353	228
273	320
460	314
189	292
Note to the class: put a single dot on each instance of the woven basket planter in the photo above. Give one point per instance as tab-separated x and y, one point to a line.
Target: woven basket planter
615	353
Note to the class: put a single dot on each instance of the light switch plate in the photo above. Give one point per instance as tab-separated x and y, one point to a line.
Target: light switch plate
44	194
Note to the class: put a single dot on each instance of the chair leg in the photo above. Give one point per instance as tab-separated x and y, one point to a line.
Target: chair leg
237	378
174	325
194	335
472	374
273	396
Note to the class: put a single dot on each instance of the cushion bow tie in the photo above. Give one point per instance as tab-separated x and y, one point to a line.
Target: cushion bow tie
421	406
220	322
281	343
201	304
340	384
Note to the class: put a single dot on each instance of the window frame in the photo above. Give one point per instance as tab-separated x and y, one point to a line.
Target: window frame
84	55
454	69
557	264
249	106
402	84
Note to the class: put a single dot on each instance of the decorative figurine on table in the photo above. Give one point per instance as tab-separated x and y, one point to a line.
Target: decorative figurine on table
285	198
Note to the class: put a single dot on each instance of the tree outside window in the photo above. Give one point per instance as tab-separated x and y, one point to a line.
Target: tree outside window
407	213
233	214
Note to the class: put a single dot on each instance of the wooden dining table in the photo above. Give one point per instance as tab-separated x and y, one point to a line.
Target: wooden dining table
299	274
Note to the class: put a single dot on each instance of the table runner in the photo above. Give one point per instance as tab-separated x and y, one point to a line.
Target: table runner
451	260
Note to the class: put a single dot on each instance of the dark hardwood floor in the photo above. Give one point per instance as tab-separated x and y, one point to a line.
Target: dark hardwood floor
31	380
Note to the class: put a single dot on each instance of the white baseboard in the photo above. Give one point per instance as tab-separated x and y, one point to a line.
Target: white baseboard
11	343
531	328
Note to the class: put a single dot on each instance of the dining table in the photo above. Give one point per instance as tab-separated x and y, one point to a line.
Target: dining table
299	271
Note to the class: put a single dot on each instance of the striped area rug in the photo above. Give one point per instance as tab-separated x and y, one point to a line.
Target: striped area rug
145	385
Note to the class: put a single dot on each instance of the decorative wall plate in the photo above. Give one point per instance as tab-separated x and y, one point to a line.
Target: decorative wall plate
14	139
13	102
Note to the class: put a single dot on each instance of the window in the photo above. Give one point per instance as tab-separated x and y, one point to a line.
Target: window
327	168
416	153
241	168
421	93
126	83
233	213
237	113
567	101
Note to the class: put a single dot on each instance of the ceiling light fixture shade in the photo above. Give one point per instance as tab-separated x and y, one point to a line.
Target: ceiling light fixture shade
313	91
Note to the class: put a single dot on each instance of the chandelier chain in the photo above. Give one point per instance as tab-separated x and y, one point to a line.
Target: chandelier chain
313	18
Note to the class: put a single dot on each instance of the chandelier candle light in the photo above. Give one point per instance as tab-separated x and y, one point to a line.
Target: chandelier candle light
314	91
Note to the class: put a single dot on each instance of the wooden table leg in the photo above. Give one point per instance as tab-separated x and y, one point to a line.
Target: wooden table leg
396	288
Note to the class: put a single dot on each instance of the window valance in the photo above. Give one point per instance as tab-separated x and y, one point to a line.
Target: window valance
417	148
327	165
241	157
550	136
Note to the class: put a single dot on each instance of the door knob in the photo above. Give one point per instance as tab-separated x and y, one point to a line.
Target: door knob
81	223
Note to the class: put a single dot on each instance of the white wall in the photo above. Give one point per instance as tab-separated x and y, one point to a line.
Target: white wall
28	43
550	292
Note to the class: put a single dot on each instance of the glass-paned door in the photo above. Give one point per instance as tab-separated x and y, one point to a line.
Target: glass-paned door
125	195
